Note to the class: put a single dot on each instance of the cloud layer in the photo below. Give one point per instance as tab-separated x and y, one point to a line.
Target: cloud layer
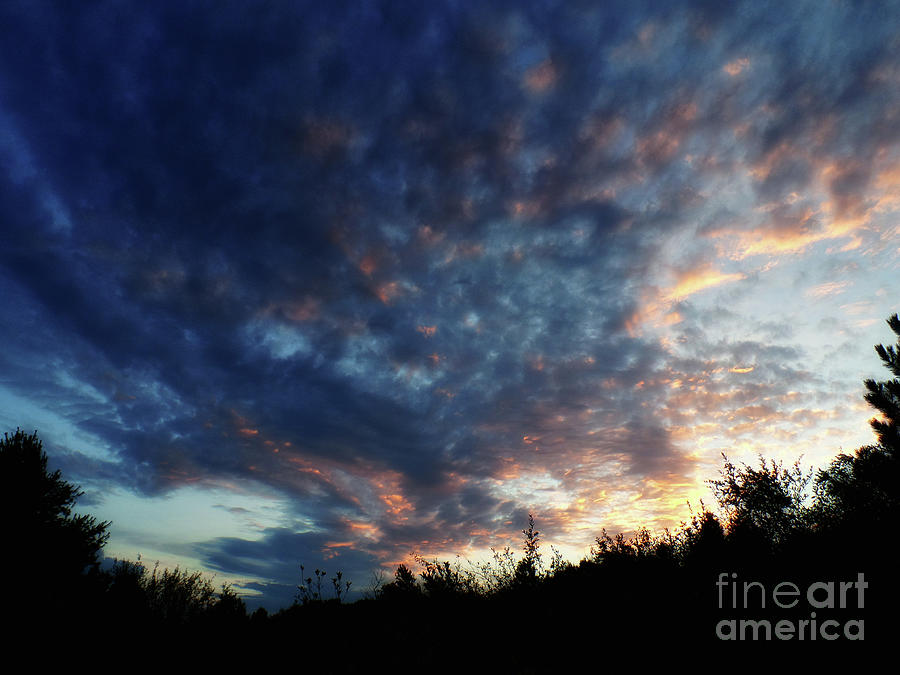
418	269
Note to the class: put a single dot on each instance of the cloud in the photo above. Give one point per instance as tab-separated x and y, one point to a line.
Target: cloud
420	269
736	67
827	289
693	281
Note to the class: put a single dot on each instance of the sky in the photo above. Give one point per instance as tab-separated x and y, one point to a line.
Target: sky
341	283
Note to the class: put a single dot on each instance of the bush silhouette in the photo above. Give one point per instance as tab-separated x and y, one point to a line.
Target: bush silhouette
529	567
403	588
763	506
172	597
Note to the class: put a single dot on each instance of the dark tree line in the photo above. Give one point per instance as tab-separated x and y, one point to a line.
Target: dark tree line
51	564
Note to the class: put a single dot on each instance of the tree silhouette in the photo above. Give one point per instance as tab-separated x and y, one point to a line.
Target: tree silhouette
885	396
49	549
861	490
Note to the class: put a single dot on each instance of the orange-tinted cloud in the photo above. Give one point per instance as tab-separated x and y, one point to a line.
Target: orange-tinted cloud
736	67
542	77
790	230
368	265
696	280
306	309
429	236
387	291
526	208
427	331
657	147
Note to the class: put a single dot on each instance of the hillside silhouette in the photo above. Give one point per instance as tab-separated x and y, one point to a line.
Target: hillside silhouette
788	555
